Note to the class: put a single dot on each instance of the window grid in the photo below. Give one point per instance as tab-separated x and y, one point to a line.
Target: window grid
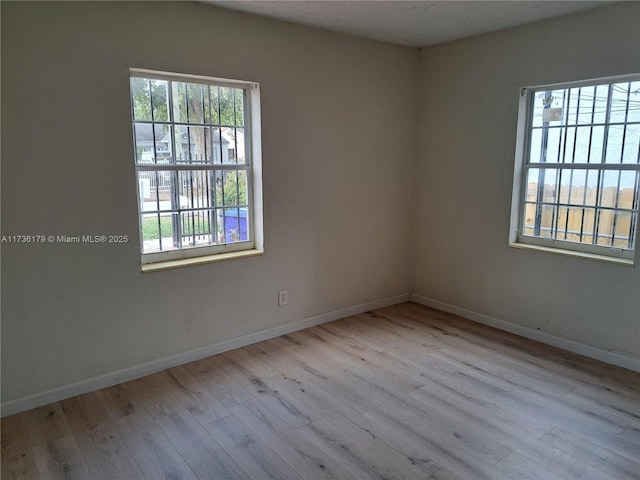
199	179
560	159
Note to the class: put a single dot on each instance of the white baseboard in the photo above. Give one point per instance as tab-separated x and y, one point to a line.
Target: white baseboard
114	378
565	344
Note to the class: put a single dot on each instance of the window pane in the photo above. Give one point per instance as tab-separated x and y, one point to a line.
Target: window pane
609	188
634	103
546	145
164	144
563	220
143	133
233	145
179	94
619	97
567	147
588	225
195	189
147	191
575	224
547	220
540	220
140	98
554	139
158	233
631	153
600	110
234	224
195	103
529	218
580	151
541	185
579	187
160	96
193	144
564	182
242	188
239	107
574	100
183	144
586	108
605	227
220	147
229	190
197	228
628	182
226	100
214	93
614	144
623	230
597	141
548	108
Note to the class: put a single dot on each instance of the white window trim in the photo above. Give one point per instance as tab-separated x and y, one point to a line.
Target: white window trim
518	240
255	246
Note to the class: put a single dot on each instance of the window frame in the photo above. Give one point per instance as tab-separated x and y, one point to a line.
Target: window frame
253	166
522	154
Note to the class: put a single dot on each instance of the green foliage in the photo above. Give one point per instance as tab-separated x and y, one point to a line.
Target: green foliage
192	103
150	227
235	189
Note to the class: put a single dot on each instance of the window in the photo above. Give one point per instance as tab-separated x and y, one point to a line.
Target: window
197	163
577	175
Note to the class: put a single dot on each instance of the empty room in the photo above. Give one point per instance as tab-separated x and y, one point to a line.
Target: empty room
320	240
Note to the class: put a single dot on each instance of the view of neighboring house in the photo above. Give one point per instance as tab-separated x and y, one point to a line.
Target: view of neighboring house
192	147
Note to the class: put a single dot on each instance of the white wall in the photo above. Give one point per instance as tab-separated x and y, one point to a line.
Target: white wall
463	180
338	144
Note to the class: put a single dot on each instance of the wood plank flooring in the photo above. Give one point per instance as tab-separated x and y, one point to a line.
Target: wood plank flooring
402	392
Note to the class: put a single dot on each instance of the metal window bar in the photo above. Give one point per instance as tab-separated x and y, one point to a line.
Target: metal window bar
616	203
220	129
595	124
576	232
186	103
212	175
228	125
605	141
543	158
628	238
175	201
562	145
576	166
570	205
624	134
206	176
586	182
573	160
158	214
153	125
224	201
193	225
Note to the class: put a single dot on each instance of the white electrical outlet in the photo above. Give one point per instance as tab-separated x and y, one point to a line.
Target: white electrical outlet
283	297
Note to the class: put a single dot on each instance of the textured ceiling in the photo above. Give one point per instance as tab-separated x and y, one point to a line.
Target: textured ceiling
411	23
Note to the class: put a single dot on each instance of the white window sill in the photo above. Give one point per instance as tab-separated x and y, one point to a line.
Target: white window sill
573	253
187	262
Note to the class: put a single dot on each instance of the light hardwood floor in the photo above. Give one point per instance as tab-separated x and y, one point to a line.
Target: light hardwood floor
398	393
